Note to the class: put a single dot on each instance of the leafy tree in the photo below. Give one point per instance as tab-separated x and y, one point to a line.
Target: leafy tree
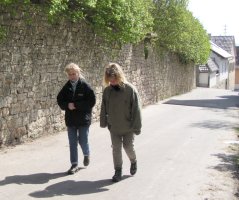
131	21
179	32
124	21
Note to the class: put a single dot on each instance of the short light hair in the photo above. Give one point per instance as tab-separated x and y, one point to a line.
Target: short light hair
75	67
114	70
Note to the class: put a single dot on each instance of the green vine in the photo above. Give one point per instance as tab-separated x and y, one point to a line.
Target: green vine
3	33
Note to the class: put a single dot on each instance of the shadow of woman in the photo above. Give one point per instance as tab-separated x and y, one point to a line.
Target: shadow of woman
71	187
39	178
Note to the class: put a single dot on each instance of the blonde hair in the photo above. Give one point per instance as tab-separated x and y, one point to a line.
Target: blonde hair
75	67
114	70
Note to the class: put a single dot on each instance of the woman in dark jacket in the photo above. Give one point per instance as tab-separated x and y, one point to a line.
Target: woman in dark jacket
77	99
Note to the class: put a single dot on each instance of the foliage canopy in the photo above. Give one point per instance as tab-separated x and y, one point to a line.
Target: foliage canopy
129	21
179	32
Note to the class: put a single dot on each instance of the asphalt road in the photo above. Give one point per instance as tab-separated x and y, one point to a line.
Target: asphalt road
185	152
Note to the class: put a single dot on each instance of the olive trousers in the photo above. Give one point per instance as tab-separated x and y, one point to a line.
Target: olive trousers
127	142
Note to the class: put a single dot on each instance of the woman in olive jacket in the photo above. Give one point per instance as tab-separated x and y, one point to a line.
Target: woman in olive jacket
77	99
121	113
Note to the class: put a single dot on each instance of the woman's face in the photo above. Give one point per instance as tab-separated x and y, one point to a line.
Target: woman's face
113	81
73	75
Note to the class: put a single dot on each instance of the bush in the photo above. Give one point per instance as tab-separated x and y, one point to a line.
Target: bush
179	32
130	21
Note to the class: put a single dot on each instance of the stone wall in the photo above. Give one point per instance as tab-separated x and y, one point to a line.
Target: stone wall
33	57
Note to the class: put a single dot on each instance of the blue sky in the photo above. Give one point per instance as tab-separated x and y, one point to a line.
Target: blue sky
218	17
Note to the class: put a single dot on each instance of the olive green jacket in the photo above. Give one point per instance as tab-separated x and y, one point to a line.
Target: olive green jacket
121	110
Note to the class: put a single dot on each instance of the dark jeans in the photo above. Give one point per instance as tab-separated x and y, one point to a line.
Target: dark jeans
75	135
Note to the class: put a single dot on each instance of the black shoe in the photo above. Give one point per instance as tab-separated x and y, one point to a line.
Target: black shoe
118	175
86	161
133	168
74	168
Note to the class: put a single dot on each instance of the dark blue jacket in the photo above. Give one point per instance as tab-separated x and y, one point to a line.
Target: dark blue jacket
84	100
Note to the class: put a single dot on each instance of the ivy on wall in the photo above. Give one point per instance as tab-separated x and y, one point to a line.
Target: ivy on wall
131	21
3	33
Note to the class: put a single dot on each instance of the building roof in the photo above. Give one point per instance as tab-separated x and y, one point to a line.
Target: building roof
212	65
225	42
218	50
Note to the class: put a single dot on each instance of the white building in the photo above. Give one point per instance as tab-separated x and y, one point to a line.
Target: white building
215	73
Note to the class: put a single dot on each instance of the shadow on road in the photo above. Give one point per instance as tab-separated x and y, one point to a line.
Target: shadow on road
228	164
74	188
223	103
39	178
214	124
